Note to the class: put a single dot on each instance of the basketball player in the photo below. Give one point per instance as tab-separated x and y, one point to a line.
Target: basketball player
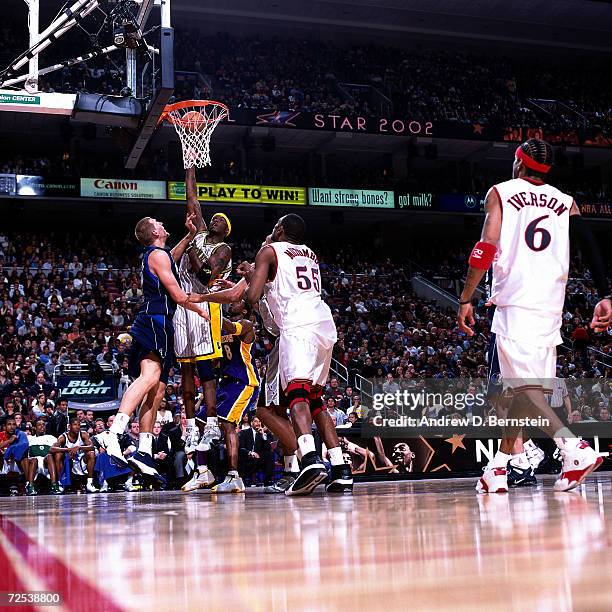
152	349
526	237
40	461
197	341
79	447
272	408
239	384
307	337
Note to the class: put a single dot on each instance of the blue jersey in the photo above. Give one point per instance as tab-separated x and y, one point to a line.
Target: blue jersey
237	361
156	299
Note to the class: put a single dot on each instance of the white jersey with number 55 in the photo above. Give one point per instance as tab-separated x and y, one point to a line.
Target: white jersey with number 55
532	263
294	294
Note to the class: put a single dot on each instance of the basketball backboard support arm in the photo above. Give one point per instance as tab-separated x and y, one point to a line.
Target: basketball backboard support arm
31	83
162	94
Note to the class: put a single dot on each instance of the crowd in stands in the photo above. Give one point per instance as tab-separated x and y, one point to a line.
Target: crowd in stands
424	84
65	298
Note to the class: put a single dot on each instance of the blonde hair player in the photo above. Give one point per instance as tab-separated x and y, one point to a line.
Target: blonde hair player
526	239
197	342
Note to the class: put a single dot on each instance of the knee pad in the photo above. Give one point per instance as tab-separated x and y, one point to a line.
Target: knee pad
316	400
206	371
298	391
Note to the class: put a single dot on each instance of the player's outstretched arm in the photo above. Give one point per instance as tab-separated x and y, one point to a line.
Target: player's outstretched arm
581	233
193	204
245	332
159	264
179	249
227	296
264	263
480	260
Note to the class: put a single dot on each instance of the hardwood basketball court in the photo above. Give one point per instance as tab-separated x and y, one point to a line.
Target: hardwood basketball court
394	546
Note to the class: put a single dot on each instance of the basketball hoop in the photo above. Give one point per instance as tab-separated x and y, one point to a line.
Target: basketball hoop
194	122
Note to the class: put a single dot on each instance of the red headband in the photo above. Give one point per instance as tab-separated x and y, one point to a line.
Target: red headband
531	163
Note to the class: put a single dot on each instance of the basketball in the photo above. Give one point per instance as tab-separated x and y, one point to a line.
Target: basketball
194	121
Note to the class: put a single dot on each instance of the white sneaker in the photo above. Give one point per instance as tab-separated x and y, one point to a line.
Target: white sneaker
493	480
202	478
110	442
104	487
91	488
231	484
578	463
191	439
210	433
535	455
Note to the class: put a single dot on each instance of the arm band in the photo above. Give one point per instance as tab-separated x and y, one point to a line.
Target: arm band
204	274
582	233
482	255
238	331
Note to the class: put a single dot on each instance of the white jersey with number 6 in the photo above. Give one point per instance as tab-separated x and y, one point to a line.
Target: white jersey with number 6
532	263
294	295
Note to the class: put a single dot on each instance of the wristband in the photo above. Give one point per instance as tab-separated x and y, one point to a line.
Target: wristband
238	331
482	255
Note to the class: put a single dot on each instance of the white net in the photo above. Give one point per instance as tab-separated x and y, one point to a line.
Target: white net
195	123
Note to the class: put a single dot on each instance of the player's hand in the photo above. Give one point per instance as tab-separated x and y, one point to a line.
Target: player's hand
602	316
245	269
190	225
203	314
466	313
222	283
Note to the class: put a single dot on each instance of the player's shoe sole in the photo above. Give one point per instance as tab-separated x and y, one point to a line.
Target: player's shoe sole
308	480
144	464
281	485
341	485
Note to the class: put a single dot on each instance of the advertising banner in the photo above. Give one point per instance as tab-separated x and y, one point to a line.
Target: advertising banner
237	194
28	185
354	198
415	200
462	202
80	388
123	188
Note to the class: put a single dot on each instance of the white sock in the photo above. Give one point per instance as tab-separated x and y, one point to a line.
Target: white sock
90	481
291	463
306	444
191	423
500	460
335	456
520	461
120	423
566	440
530	445
202	468
145	443
211	422
233	473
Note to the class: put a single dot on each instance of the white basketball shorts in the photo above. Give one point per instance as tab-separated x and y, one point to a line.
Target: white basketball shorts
523	366
305	353
196	338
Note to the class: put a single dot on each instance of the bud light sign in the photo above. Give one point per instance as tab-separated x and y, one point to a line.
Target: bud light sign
81	389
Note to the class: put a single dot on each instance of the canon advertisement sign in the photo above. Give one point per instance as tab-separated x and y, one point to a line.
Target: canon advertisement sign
127	189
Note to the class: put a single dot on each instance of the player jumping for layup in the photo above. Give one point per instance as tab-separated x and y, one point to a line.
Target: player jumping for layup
198	341
526	237
307	337
152	350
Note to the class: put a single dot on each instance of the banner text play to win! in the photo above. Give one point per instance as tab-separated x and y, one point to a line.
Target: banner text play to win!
363	198
255	194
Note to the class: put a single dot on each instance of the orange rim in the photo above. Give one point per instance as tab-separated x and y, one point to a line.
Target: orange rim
195	104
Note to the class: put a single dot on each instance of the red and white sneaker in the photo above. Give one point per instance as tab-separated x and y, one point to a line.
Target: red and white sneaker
578	463
493	480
